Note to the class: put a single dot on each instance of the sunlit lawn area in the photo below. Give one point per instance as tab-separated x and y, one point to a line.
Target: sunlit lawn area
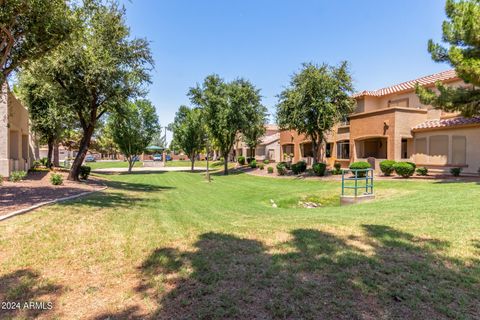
172	246
110	164
174	163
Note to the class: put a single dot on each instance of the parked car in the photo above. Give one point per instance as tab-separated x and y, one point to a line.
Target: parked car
168	158
157	157
90	158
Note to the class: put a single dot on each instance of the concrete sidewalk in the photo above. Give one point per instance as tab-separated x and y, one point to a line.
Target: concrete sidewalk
147	169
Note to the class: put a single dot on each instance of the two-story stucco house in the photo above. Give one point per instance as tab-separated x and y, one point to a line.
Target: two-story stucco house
267	149
15	143
392	123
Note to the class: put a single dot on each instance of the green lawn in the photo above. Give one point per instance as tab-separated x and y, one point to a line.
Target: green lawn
187	163
172	246
111	164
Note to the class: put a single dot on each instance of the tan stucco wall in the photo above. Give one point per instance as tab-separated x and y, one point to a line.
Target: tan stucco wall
472	135
15	140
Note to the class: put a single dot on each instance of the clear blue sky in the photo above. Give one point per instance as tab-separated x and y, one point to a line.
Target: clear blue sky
266	41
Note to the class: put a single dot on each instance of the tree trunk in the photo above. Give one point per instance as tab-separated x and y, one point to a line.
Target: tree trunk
192	159
56	155
225	163
50	152
131	163
82	152
251	153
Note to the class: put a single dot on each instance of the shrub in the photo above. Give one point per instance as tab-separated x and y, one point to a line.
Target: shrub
1	179
456	171
270	169
36	164
412	164
337	166
295	168
56	179
250	159
404	169
17	176
301	166
319	168
281	169
44	161
85	172
266	161
241	160
422	171
387	167
253	164
360	165
261	166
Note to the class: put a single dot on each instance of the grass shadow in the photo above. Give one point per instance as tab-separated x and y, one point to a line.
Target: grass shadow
25	286
384	273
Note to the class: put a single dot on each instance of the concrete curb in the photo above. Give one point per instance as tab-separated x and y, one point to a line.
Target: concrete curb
41	204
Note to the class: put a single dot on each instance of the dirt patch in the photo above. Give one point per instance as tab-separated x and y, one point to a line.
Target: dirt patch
36	188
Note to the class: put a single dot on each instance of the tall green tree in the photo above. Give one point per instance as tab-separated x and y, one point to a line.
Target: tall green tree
256	129
29	29
189	132
134	128
226	107
98	70
462	32
48	116
318	97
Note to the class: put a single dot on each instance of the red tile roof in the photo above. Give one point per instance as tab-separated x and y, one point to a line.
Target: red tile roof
446	123
410	85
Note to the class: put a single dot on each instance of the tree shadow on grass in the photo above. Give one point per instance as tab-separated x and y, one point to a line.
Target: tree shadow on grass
140	187
384	273
25	286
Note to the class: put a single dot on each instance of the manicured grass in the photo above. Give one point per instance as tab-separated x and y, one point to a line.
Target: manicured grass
203	164
172	246
111	164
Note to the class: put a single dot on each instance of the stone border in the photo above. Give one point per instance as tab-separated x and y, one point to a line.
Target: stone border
41	204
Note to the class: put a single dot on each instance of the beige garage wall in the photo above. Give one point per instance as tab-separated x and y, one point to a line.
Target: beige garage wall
431	148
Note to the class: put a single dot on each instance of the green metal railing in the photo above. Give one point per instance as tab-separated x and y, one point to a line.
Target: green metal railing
361	181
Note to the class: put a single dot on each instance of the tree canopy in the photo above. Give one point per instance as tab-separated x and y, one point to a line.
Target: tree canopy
189	132
98	70
48	116
227	109
317	98
29	29
133	129
462	32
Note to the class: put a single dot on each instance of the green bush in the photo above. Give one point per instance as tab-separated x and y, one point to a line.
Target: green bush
422	171
44	161
241	160
387	167
404	169
281	169
261	166
36	164
360	165
270	169
56	179
337	166
17	176
412	164
253	164
250	159
1	179
299	167
85	172
456	171
266	161
319	168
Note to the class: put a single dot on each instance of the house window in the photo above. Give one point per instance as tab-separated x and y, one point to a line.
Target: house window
438	146
307	150
328	150
459	150
343	150
421	146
